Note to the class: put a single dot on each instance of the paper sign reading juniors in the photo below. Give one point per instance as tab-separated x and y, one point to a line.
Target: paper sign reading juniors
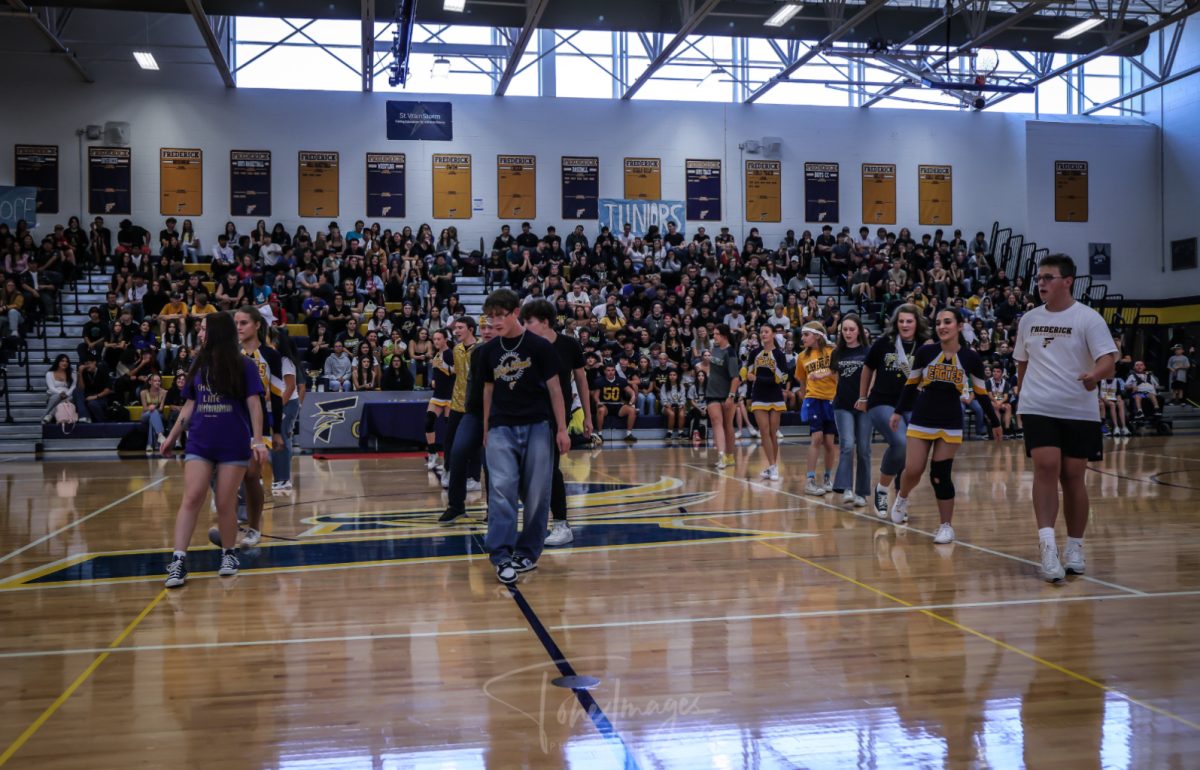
640	214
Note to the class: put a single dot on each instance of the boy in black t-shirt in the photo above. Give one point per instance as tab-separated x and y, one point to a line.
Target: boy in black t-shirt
613	394
524	422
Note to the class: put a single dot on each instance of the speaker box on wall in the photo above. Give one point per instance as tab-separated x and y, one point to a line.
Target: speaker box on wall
116	133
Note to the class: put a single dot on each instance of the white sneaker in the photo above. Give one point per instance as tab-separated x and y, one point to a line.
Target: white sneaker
560	533
250	537
1073	559
860	501
828	485
445	481
431	461
774	473
765	474
813	488
944	534
779	435
754	433
847	497
473	485
900	510
721	464
1052	569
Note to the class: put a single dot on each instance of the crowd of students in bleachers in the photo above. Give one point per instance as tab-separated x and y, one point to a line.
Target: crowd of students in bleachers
362	305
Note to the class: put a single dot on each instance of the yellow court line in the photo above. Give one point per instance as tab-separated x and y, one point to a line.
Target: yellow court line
987	638
24	737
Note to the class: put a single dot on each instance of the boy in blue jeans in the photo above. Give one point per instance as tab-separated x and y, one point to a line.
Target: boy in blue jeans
524	422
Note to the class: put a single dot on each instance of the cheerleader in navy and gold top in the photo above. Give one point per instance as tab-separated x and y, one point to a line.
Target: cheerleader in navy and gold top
443	391
944	375
767	373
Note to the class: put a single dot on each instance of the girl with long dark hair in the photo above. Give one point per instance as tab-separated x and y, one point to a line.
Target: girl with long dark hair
223	416
854	427
944	375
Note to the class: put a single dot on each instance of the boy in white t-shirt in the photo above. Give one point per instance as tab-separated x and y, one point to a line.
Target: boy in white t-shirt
1063	351
1178	365
1142	386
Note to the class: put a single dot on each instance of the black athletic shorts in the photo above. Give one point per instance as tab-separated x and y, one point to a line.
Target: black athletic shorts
1076	438
715	399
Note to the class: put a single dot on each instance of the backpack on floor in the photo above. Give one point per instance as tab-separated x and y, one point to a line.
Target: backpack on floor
66	416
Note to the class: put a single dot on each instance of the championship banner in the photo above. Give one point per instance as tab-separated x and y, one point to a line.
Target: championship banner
451	186
16	204
319	180
643	178
879	193
1070	191
580	187
250	183
703	190
640	215
180	182
935	195
37	166
764	191
386	181
516	186
110	179
821	192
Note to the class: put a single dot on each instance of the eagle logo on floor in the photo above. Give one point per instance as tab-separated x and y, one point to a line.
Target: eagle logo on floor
604	515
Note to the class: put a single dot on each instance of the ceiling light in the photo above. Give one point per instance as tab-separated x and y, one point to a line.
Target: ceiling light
1080	28
454	5
145	60
441	67
783	15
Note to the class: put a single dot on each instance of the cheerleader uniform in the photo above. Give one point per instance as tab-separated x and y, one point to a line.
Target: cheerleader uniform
817	409
443	379
937	385
770	374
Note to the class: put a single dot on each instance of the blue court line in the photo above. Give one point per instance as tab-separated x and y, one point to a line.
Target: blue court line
594	712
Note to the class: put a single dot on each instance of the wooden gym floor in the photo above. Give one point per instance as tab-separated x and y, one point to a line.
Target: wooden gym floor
730	622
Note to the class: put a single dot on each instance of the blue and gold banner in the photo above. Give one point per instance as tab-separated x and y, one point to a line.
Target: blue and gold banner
703	190
250	183
110	179
37	166
821	192
386	181
580	187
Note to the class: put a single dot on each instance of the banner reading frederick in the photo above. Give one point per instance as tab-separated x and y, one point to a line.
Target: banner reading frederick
1070	191
451	186
37	166
180	182
516	186
319	184
250	183
703	189
640	214
431	121
110	177
821	192
879	193
386	184
643	179
935	195
580	187
764	191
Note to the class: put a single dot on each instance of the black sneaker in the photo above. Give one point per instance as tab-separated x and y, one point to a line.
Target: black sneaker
448	517
630	438
523	564
176	573
505	573
229	564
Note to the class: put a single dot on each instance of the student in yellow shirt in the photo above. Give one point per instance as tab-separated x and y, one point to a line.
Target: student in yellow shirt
818	385
202	306
176	310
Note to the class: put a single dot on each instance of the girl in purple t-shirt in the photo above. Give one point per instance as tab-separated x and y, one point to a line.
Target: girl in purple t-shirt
223	414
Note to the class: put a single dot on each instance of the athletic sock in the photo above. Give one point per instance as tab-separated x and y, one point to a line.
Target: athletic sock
1075	541
1046	535
812	476
881	489
180	554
